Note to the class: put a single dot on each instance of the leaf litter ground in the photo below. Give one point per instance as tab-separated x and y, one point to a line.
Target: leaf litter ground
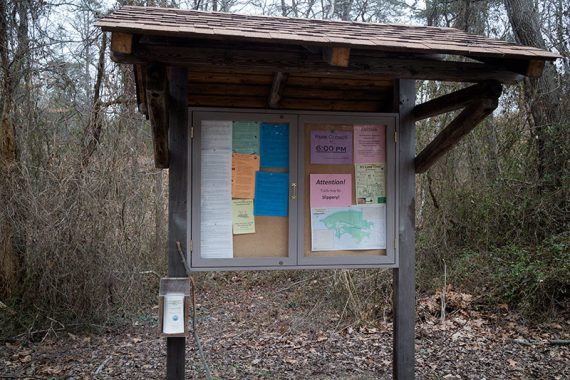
262	331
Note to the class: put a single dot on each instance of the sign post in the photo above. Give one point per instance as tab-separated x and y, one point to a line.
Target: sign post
178	206
404	302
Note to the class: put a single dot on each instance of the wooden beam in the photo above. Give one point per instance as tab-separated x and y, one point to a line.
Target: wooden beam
178	203
456	100
535	68
279	82
121	43
404	276
450	135
278	59
532	68
157	108
337	56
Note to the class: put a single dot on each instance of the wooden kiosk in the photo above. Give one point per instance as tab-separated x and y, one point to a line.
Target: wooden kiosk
290	143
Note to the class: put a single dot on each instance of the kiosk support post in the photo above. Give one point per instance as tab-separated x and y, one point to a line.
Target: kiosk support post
177	202
404	301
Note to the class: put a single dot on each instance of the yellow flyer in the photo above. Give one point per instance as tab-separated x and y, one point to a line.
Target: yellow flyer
243	221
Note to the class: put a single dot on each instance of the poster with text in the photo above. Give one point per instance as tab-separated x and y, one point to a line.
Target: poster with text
369	144
331	147
244	167
216	240
330	190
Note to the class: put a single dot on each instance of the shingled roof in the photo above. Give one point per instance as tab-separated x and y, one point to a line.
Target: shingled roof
285	30
236	61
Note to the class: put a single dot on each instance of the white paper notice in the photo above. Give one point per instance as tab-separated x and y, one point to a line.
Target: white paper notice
173	317
348	228
216	239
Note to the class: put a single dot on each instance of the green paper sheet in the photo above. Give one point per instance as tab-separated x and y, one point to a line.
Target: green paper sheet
245	137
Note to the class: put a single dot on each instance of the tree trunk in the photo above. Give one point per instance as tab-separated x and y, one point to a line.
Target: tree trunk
92	132
541	94
12	72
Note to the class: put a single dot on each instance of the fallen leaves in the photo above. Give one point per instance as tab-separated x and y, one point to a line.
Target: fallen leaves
263	338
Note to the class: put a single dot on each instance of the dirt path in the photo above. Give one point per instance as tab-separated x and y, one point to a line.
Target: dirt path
264	331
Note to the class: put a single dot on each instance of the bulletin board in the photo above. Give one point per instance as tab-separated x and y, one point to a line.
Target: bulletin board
251	205
331	169
253	226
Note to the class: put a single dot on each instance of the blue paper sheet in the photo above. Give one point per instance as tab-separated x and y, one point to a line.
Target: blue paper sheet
271	194
274	146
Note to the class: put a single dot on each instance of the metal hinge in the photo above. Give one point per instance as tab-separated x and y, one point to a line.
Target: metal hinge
191	132
190	245
395	136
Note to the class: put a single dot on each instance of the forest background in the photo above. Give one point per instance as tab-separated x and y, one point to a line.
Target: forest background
83	210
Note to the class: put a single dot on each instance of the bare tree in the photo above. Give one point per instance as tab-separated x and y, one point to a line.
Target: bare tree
542	94
14	51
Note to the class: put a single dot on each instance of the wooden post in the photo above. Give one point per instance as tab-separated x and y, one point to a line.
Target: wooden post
404	302
177	202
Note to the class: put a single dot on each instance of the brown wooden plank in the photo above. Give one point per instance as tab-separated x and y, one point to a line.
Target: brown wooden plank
334	82
450	135
290	104
334	105
229	78
227	89
335	94
156	95
227	101
457	100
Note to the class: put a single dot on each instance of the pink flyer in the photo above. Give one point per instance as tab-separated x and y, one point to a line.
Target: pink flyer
331	190
369	144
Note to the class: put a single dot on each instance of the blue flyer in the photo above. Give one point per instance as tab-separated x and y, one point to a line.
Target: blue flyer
271	194
274	146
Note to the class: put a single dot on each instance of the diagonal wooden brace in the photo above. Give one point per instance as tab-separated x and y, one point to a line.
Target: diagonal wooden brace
468	119
457	100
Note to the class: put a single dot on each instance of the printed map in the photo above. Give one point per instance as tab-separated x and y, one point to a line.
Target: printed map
348	228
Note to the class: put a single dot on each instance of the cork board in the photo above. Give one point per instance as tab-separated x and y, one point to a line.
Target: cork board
325	169
271	238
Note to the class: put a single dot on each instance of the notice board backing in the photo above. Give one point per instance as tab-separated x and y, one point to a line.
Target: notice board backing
285	242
